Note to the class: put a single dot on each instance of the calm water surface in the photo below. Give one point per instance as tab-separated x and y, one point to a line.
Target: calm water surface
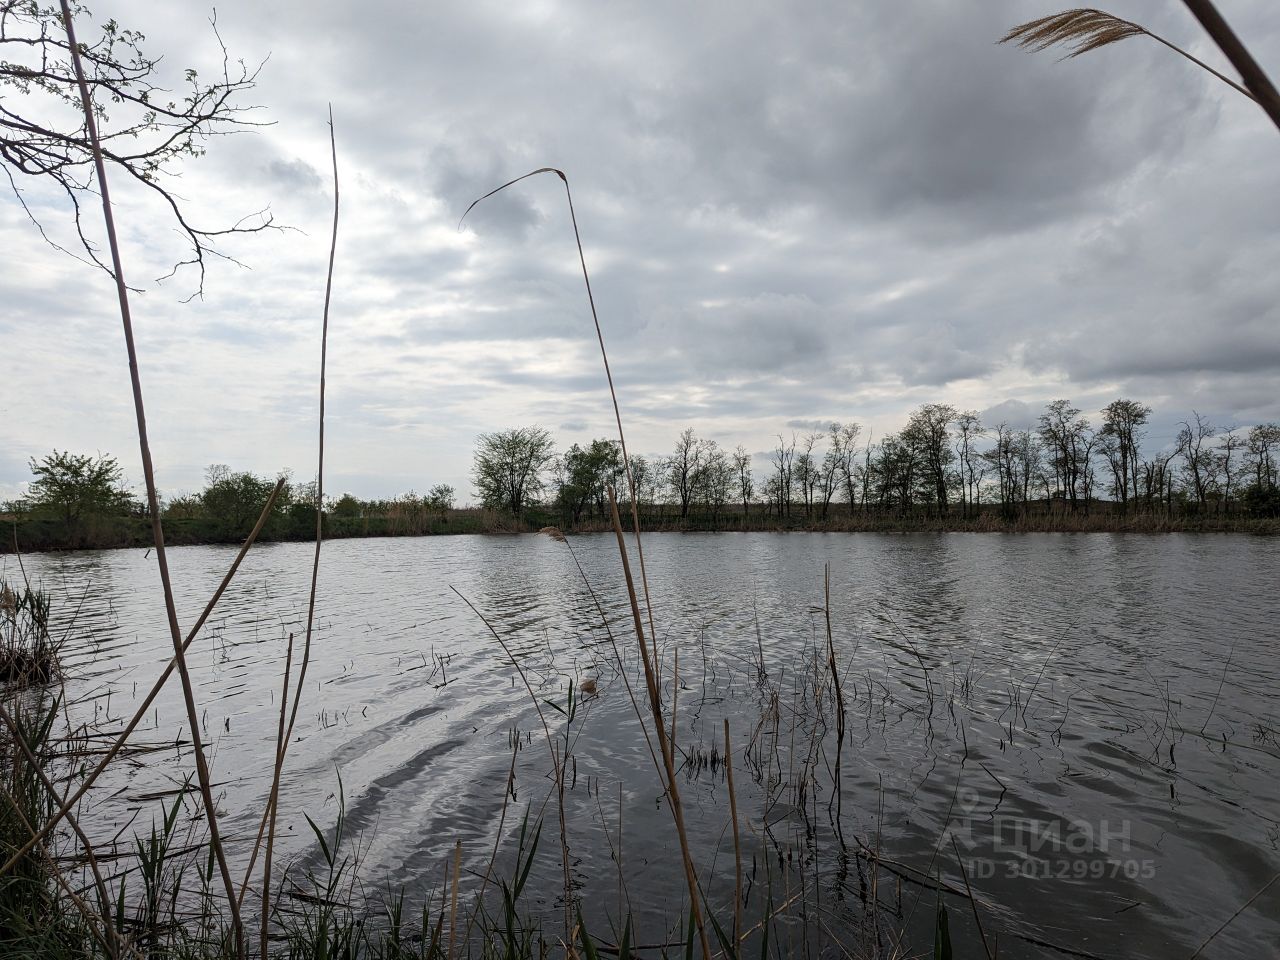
1090	721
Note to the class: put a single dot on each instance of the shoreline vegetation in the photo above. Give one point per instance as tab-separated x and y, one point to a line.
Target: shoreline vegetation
944	471
134	532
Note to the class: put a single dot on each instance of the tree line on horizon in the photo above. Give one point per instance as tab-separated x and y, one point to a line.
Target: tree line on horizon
944	462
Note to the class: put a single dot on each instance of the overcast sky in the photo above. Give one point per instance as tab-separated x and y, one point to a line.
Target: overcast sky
792	214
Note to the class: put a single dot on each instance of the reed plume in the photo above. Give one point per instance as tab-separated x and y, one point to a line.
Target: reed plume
1084	29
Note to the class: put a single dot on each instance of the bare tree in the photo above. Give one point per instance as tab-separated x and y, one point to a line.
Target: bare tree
865	473
1227	464
970	429
746	486
928	430
1001	457
1120	439
1067	440
1197	456
808	471
1264	452
1157	480
783	460
897	470
682	468
714	479
843	438
144	129
646	479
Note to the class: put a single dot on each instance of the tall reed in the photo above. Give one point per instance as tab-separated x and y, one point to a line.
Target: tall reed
148	471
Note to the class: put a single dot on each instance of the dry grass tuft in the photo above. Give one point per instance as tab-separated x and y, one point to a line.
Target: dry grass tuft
28	654
1082	29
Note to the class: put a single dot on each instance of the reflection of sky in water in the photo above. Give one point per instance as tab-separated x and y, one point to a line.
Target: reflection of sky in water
1072	681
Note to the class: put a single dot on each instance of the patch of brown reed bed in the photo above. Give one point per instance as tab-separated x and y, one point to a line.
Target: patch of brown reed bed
27	652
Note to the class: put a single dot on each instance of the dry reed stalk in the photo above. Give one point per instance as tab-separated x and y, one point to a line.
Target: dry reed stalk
272	799
453	898
675	695
1243	907
840	712
737	844
72	821
608	373
148	471
156	687
1084	29
1255	78
621	882
973	902
668	759
270	812
559	763
650	668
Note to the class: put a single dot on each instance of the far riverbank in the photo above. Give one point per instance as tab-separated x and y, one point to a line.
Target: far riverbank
107	533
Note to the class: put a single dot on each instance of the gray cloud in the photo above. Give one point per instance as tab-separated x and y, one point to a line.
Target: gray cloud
846	214
1018	414
296	174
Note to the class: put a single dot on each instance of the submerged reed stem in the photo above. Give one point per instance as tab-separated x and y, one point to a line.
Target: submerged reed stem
668	757
737	843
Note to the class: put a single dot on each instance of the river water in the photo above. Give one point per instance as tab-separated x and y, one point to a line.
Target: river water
1088	723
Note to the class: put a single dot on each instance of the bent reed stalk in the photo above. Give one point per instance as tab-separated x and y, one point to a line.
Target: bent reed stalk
664	743
652	675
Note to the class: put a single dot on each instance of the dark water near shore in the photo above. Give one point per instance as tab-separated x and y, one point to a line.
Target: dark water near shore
1094	719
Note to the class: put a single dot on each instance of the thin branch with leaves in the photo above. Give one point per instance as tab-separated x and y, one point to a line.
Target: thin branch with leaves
144	129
